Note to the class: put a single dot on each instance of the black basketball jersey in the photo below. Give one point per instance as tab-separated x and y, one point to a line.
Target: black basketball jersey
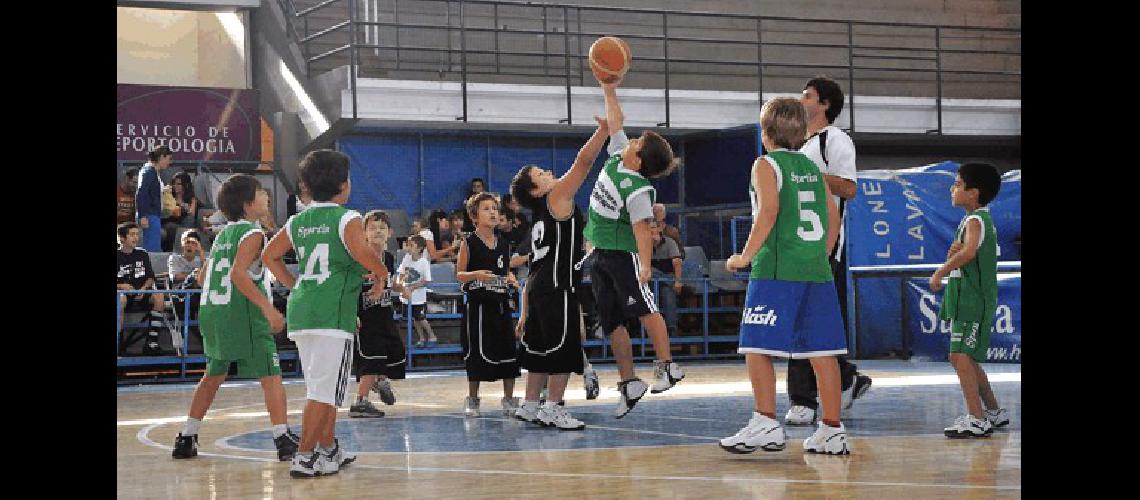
556	246
480	257
369	309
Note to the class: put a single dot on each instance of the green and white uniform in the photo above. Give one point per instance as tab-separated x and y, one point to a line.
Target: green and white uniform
970	298
796	248
321	314
233	328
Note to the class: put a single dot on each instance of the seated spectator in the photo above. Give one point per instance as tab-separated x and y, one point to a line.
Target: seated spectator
126	193
667	229
185	212
183	268
518	228
434	254
212	225
666	263
135	273
440	228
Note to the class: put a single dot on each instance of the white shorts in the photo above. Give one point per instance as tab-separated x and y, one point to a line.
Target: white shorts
327	363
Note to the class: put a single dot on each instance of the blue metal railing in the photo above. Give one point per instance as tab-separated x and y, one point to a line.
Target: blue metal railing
703	287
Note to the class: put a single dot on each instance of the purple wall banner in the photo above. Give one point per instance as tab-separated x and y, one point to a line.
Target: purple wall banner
196	123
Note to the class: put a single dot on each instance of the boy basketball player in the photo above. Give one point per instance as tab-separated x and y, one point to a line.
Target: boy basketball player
238	327
331	248
550	324
483	271
413	276
791	308
970	300
379	355
621	209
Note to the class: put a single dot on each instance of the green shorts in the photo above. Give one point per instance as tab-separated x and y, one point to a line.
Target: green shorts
970	338
262	361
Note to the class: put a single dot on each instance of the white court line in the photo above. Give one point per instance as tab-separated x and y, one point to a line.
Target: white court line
142	436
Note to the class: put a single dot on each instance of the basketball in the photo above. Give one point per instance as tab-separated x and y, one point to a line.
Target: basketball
610	58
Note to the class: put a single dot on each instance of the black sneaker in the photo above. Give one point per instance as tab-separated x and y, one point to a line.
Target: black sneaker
859	387
364	409
286	445
185	446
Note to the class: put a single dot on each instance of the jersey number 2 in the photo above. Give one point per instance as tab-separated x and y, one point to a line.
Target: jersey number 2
536	234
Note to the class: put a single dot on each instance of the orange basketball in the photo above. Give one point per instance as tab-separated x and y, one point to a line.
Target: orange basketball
610	58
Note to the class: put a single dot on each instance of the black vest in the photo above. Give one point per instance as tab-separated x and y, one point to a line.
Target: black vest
556	246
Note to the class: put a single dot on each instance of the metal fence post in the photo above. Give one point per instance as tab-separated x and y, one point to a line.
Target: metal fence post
665	39
851	75
938	73
463	56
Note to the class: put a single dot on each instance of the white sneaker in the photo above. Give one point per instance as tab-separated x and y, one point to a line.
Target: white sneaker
334	459
510	405
998	417
555	415
590	383
968	426
666	374
761	433
528	412
799	415
630	392
470	407
307	464
828	439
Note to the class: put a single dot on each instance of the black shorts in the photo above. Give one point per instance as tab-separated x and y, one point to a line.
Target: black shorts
552	337
379	350
619	295
487	337
139	301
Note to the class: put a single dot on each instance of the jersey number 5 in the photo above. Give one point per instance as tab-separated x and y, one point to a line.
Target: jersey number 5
815	233
317	264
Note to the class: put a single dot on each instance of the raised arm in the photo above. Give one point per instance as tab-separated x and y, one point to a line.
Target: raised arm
562	194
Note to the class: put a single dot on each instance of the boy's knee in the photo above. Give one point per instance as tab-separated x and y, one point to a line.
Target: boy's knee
213	380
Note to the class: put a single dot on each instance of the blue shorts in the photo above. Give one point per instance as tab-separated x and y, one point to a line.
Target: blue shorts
791	319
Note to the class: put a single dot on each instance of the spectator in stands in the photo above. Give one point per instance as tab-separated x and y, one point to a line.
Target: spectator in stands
435	254
148	198
667	229
667	262
440	228
478	185
517	225
126	194
135	273
185	211
833	152
268	224
298	202
183	268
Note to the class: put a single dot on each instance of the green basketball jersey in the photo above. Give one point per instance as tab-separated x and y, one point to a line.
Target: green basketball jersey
228	320
608	226
796	248
971	293
328	286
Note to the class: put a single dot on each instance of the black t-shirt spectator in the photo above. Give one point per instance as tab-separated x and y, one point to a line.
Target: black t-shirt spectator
134	268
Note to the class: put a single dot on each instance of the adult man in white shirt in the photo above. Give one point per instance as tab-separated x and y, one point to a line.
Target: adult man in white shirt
834	153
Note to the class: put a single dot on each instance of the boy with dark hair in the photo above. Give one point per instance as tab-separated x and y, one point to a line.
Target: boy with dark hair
833	152
126	196
332	255
413	276
790	308
621	209
550	325
483	271
380	354
135	273
238	327
970	300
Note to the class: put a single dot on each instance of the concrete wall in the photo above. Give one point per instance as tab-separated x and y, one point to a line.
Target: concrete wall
181	48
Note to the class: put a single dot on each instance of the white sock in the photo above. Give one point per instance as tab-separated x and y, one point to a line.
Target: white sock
280	430
191	427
